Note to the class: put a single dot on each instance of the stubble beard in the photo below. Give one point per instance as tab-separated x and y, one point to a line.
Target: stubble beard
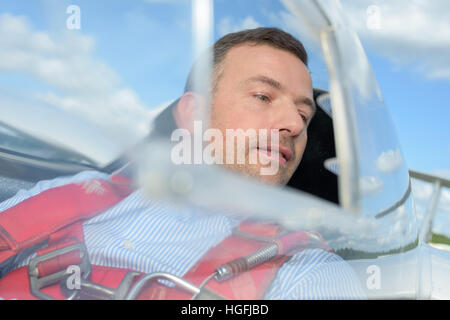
282	176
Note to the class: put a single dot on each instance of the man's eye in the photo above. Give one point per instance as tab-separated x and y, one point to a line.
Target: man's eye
305	119
262	97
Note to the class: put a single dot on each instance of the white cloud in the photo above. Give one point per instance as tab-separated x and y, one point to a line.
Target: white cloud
389	161
80	84
226	25
423	191
442	173
410	33
370	185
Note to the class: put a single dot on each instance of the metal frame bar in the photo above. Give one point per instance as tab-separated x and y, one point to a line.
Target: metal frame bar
427	225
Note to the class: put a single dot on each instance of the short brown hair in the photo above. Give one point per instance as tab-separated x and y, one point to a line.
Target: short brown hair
273	37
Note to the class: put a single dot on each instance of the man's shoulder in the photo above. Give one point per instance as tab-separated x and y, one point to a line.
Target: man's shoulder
314	273
44	185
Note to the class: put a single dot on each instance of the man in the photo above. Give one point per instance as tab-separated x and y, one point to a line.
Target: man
260	81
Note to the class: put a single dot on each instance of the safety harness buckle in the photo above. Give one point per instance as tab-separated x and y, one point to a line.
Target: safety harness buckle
39	281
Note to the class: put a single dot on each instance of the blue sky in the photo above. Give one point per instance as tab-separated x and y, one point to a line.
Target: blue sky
409	53
132	56
142	37
420	108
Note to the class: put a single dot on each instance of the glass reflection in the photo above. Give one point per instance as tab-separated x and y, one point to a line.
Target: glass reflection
123	71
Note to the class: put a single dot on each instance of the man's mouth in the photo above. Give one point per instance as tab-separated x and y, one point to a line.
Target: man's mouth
282	154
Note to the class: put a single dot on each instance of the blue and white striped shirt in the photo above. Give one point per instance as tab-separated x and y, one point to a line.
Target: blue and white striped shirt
145	235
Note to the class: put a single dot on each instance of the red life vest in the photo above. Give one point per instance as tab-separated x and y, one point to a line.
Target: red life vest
50	223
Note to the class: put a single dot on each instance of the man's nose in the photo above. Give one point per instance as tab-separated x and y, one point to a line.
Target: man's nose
289	120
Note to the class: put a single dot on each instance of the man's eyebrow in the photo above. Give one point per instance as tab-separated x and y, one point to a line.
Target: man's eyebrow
271	82
277	85
305	100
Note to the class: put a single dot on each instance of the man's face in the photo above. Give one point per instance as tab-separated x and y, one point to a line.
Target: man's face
261	87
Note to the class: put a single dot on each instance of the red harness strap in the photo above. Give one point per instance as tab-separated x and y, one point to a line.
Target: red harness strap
56	215
248	285
53	219
36	218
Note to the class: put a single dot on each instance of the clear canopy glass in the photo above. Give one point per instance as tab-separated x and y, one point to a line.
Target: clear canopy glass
94	81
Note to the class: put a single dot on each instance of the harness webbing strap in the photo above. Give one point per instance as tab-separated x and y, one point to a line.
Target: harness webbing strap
249	285
56	216
39	217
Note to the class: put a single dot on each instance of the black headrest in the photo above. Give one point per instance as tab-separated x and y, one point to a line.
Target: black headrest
311	176
164	123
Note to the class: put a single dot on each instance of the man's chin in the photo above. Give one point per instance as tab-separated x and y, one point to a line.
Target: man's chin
272	179
254	172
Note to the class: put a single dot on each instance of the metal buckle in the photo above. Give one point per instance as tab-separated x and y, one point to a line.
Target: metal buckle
37	283
198	293
92	290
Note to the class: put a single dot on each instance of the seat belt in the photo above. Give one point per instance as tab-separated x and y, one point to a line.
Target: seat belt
51	221
242	266
42	216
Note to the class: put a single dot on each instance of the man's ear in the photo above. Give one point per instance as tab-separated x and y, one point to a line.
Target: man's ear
186	110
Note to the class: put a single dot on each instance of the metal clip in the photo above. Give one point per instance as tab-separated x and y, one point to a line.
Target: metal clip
92	290
37	283
183	284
